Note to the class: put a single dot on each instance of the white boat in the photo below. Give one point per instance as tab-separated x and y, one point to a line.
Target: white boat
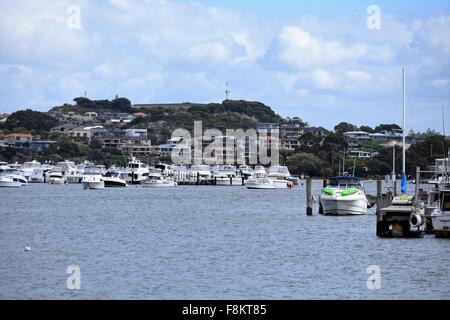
56	176
114	179
9	182
136	171
15	175
343	196
259	180
28	167
441	215
92	178
202	170
280	176
225	175
157	180
73	173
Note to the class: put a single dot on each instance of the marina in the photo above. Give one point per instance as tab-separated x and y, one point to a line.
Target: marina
188	244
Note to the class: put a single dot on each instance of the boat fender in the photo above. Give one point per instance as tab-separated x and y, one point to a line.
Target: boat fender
416	220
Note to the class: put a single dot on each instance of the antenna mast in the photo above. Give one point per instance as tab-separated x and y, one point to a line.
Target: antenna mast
227	92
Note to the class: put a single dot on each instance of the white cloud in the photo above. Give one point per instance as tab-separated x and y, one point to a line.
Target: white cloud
358	75
323	79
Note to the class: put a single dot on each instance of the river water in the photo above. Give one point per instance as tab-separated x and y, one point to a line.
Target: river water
204	242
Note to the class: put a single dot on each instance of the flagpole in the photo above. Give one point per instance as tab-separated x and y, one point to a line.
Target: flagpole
404	123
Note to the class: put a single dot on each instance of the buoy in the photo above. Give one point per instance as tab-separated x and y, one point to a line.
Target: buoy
27	248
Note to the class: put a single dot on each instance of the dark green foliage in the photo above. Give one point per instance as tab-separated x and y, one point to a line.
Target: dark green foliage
83	105
345	127
30	120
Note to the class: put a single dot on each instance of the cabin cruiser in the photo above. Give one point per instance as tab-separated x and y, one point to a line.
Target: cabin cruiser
259	180
92	178
15	175
343	196
439	202
8	181
245	171
56	176
166	170
201	170
225	175
136	171
114	179
28	167
157	180
280	176
72	173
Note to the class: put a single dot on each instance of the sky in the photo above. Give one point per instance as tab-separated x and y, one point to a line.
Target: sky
325	61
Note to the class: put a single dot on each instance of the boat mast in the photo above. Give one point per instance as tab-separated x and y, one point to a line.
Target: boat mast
404	123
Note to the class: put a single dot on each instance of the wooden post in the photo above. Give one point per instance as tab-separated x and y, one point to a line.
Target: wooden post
325	183
379	198
243	181
231	180
309	204
395	187
417	200
198	178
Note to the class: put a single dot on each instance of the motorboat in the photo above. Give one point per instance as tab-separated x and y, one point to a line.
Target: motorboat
245	171
440	216
157	180
225	175
92	178
280	176
259	180
136	171
114	179
56	176
16	175
202	171
343	195
28	167
9	182
71	171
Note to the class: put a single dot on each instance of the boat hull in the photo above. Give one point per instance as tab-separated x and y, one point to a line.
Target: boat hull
441	225
56	181
114	183
10	184
260	186
95	185
340	206
226	182
159	185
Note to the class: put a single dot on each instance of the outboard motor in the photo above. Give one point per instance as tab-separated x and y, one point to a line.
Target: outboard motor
416	220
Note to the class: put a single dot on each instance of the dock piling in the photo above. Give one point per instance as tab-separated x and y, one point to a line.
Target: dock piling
309	199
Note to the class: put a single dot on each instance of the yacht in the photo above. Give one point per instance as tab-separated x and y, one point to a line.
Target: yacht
92	178
441	216
28	168
280	176
114	179
225	175
72	172
259	180
8	181
14	174
343	196
245	171
203	171
157	180
136	171
56	176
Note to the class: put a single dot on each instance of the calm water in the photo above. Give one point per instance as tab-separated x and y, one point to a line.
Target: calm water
203	243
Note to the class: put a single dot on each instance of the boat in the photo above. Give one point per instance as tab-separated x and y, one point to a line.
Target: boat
136	171
202	171
259	180
15	174
441	215
9	182
225	175
56	176
157	180
280	176
343	195
114	179
73	173
92	178
28	167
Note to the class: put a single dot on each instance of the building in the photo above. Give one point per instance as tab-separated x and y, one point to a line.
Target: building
354	138
17	140
290	132
136	133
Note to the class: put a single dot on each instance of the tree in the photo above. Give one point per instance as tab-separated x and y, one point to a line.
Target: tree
96	143
367	129
345	127
31	120
387	127
305	163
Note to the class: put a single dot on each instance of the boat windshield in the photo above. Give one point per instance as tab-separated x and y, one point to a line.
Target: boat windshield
92	171
345	182
446	201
